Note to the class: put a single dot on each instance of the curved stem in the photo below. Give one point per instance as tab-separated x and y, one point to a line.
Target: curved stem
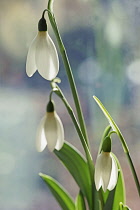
133	172
124	144
130	161
68	71
58	91
50	96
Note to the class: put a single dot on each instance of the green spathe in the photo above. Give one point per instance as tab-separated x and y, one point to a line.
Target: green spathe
106	147
42	25
50	107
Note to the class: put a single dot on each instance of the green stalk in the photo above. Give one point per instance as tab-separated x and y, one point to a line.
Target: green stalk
126	150
58	91
68	70
124	144
133	172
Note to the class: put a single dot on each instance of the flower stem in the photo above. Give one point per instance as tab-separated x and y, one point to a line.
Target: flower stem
126	150
134	172
58	91
124	144
68	71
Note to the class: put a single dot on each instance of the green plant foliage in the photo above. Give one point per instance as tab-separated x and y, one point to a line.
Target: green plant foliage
60	194
112	123
80	202
77	166
123	207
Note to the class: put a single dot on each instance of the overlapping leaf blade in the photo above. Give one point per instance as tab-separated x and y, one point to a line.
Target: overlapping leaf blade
77	166
80	203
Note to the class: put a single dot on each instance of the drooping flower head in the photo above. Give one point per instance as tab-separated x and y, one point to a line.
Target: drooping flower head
42	54
50	131
106	169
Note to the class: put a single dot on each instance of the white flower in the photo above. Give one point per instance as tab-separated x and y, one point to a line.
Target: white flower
106	171
50	132
42	56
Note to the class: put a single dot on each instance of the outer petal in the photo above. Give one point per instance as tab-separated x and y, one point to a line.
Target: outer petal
30	62
60	133
50	128
41	139
46	57
114	175
98	172
106	164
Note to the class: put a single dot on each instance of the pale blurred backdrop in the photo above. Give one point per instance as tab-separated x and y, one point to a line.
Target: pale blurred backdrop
102	39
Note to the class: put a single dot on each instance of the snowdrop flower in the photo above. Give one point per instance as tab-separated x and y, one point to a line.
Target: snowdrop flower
42	54
106	171
50	131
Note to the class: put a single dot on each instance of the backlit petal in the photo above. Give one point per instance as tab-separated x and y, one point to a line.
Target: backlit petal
106	165
60	133
41	139
114	175
30	62
98	172
46	57
50	128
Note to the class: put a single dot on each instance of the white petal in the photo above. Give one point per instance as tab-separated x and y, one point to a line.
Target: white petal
30	62
60	133
106	165
114	175
41	139
50	128
98	172
46	57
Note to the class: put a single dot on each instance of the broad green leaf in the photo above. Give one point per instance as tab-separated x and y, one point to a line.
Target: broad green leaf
77	166
112	123
118	194
60	194
80	202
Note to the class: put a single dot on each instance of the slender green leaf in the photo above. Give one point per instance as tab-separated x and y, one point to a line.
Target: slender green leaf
80	202
77	166
60	194
118	194
112	123
124	145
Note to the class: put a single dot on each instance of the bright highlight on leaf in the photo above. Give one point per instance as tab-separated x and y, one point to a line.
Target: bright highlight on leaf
123	207
112	123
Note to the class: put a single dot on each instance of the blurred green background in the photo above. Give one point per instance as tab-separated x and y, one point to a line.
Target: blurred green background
102	38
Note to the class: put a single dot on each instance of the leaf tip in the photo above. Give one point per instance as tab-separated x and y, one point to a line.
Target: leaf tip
41	174
95	98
